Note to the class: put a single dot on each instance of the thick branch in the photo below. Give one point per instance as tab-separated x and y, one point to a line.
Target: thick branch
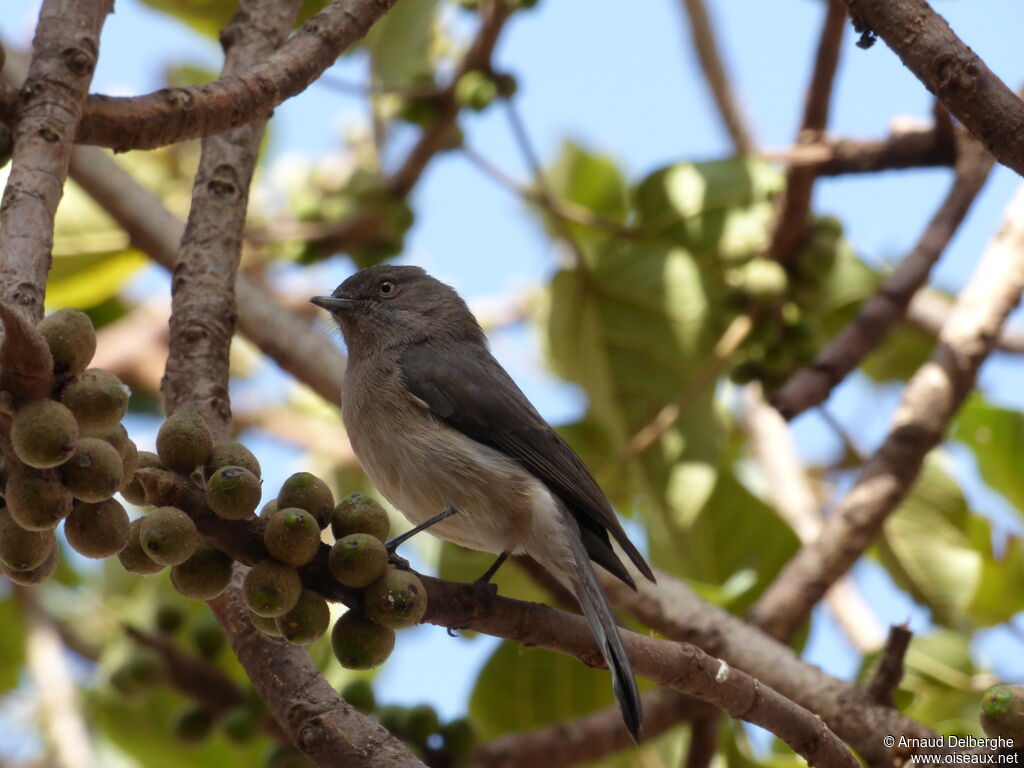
46	117
587	738
930	400
972	93
704	45
795	202
177	114
292	342
882	312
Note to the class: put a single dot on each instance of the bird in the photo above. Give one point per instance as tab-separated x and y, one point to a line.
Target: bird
450	440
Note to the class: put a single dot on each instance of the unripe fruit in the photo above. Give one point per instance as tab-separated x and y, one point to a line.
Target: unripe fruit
35	575
307	621
1002	713
240	724
94	472
184	442
133	557
421	723
271	588
292	536
37	499
97	398
458	737
396	600
22	550
98	530
193	725
359	693
268	509
230	453
131	488
71	338
308	492
204	575
117	436
207	635
358	560
763	280
475	90
357	513
43	434
283	756
168	535
359	643
233	493
169	618
265	624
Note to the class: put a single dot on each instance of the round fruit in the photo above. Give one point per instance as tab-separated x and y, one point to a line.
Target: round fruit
307	621
359	693
458	737
310	493
359	643
292	536
37	499
207	635
240	724
233	493
133	557
193	725
97	398
131	489
169	618
36	575
94	472
184	441
230	453
168	535
1002	713
476	90
271	588
357	513
422	722
71	338
22	550
98	530
43	434
268	509
358	560
204	575
396	600
265	624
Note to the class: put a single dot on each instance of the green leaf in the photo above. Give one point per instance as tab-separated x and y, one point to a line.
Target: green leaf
87	280
926	549
996	436
401	44
209	17
589	179
466	566
897	358
522	688
12	643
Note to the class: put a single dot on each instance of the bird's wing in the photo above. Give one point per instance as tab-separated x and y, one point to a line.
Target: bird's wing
467	388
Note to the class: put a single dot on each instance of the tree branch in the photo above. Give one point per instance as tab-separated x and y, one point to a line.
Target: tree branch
882	312
886	678
177	114
948	68
928	311
46	116
703	37
930	400
587	738
795	202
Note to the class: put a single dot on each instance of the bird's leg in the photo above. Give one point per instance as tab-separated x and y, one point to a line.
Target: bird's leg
392	544
489	573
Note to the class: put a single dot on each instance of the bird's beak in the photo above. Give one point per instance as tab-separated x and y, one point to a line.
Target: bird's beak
333	303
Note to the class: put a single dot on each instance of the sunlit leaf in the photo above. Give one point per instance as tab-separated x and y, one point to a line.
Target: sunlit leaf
996	436
400	44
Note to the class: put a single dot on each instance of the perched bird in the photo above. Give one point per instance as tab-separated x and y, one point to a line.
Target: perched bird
450	440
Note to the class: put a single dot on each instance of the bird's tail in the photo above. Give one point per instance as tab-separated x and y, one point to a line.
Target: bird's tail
599	615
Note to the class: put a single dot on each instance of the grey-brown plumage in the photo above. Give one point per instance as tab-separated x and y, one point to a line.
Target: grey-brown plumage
437	423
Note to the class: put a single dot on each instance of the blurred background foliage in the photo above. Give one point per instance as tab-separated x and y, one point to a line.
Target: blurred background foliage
651	275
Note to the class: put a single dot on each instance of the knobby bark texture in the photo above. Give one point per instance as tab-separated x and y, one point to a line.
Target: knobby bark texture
948	68
176	114
881	313
931	399
46	116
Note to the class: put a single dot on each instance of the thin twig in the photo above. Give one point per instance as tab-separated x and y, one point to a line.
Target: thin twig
886	678
719	83
795	201
812	385
930	400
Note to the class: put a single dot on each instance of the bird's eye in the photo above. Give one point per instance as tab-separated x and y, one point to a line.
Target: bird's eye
387	289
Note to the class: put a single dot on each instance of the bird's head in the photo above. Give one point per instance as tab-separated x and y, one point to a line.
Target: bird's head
387	306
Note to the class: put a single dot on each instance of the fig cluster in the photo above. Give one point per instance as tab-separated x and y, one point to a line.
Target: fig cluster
419	727
70	455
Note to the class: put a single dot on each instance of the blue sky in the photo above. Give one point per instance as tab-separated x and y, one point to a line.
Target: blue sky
620	77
